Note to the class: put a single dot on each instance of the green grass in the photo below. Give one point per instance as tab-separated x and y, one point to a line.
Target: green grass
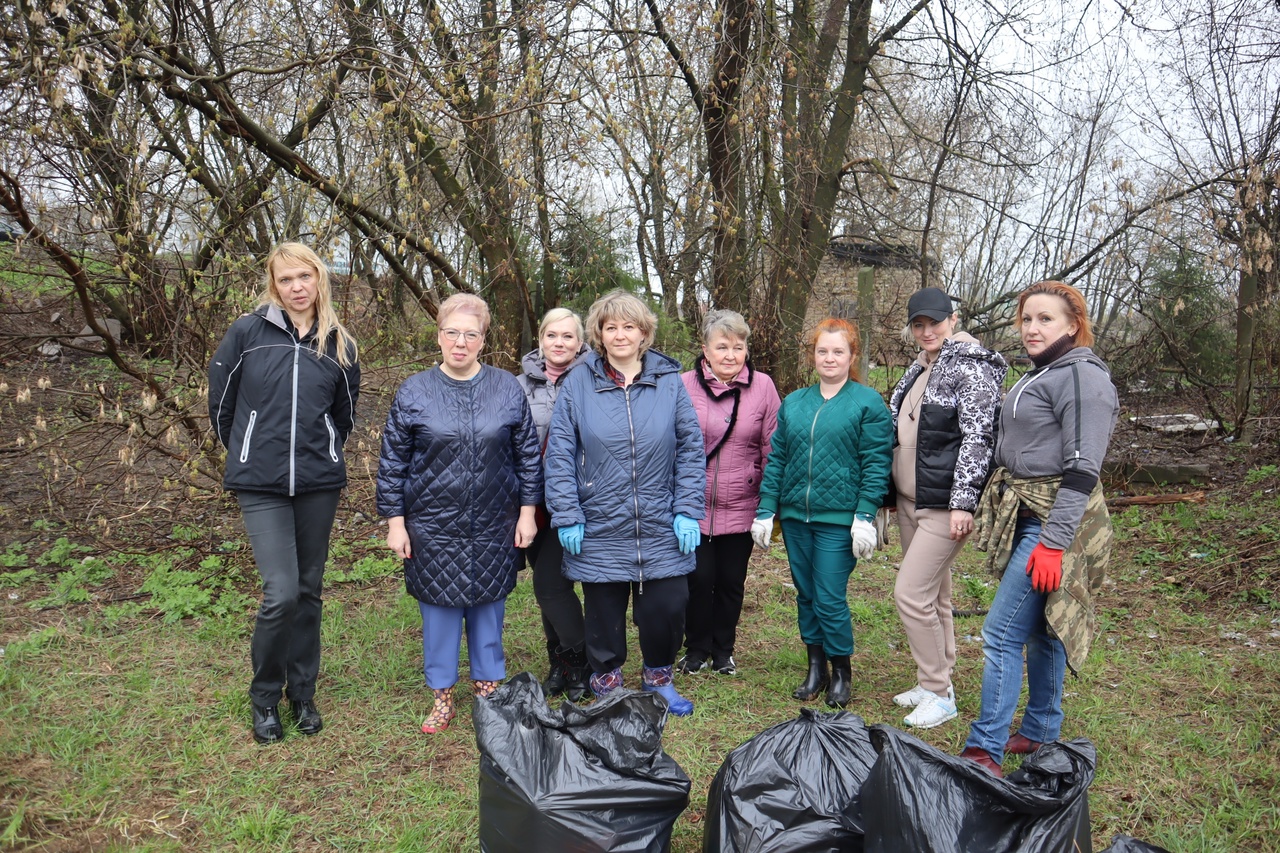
131	733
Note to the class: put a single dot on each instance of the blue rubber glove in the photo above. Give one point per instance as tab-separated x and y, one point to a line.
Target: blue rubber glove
571	537
687	533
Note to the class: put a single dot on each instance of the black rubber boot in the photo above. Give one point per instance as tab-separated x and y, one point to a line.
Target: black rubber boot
576	672
555	683
841	676
818	678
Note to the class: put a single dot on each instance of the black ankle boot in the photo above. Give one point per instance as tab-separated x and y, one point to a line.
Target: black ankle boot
307	716
818	679
841	676
266	724
555	683
576	673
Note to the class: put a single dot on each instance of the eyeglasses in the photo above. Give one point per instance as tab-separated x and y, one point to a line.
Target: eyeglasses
469	336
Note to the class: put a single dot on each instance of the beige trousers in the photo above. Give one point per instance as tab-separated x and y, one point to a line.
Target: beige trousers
923	592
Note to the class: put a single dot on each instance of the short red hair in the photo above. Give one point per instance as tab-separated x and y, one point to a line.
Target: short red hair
837	325
1072	300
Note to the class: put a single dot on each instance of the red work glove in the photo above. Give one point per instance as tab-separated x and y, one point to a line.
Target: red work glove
1045	567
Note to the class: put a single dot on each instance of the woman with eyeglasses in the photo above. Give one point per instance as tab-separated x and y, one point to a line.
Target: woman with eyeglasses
459	482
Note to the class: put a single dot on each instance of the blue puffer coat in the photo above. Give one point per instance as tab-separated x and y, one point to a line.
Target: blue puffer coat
624	462
459	459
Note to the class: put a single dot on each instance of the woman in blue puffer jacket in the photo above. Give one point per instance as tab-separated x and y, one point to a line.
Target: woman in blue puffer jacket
459	481
625	480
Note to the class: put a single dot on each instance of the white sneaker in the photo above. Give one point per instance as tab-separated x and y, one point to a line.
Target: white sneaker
912	697
933	711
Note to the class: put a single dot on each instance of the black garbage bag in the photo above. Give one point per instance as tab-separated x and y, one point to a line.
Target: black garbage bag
1125	844
787	789
587	780
919	798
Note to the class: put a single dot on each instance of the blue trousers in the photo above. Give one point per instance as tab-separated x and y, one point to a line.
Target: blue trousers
1016	621
442	640
821	557
290	540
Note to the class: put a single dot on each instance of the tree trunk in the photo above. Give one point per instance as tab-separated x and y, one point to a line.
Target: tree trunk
1246	326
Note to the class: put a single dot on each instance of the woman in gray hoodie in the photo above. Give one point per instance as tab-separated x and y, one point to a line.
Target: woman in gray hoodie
1043	519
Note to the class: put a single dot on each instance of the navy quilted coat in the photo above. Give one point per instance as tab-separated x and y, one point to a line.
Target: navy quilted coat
459	459
624	462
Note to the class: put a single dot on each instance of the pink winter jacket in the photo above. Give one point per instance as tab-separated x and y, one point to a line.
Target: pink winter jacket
746	410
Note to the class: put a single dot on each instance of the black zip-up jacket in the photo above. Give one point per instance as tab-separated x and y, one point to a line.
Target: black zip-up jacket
282	413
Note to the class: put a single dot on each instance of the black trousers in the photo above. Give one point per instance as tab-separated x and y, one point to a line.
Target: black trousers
715	595
658	611
561	609
290	539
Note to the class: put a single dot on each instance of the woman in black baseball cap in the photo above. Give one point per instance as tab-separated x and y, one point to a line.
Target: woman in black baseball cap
943	416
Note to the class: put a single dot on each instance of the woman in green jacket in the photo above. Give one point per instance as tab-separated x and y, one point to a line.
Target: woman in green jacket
826	474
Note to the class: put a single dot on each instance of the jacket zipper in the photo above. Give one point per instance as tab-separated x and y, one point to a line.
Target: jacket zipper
248	433
471	454
715	491
808	489
293	421
635	494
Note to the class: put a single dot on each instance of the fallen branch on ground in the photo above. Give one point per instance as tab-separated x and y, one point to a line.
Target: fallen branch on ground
1148	500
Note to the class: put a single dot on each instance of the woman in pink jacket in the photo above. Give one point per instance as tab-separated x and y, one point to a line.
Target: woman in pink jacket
737	409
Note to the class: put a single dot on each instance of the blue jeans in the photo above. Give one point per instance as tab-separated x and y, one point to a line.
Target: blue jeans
1016	620
821	557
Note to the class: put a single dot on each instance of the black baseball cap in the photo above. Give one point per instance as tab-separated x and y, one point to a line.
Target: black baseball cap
932	302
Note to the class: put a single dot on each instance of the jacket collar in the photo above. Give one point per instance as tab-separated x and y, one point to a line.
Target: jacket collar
274	315
655	366
714	386
534	364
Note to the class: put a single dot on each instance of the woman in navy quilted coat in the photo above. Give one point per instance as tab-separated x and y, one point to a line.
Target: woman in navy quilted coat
459	481
827	472
625	480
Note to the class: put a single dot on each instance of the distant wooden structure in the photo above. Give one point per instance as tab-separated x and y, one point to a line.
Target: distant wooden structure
869	281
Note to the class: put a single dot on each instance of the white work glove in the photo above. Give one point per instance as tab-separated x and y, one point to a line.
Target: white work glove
762	532
864	538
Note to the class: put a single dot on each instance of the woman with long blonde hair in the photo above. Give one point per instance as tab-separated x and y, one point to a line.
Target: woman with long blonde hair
283	386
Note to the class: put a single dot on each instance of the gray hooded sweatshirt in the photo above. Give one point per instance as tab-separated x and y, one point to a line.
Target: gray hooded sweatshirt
1058	419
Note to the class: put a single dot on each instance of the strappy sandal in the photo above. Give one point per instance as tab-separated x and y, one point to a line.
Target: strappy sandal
441	713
